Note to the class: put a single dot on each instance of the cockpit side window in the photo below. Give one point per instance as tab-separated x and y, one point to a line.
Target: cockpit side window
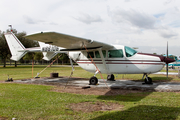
115	53
97	54
90	54
129	51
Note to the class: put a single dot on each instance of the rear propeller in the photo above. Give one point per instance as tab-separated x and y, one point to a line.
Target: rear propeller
167	62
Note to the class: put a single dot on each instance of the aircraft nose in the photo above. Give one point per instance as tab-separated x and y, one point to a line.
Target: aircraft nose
168	60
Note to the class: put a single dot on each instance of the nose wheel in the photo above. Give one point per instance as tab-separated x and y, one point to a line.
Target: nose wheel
147	79
110	77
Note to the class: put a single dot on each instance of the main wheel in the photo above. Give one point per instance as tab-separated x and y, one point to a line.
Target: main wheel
149	81
93	81
110	77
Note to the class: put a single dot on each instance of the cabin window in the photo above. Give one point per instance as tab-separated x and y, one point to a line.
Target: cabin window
115	53
97	54
129	51
104	53
90	54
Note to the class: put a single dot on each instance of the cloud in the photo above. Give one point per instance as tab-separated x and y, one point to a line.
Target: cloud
167	2
171	18
127	0
135	18
29	20
159	15
167	33
86	18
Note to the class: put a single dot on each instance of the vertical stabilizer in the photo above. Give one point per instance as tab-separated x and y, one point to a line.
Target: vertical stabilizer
16	48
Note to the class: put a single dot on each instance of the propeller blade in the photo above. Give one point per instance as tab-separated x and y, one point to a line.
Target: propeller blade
167	63
167	69
167	50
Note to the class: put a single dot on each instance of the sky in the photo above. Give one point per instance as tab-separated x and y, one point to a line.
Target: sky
145	24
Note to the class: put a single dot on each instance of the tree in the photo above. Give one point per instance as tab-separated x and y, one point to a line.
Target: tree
29	56
38	56
4	51
64	58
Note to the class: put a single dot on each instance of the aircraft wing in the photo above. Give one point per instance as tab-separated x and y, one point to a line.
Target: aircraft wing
67	41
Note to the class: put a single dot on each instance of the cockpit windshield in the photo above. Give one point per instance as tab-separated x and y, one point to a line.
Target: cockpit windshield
129	51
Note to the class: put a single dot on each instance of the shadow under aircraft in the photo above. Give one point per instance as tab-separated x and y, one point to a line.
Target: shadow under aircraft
145	112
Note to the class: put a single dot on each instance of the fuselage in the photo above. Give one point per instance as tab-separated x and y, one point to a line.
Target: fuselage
118	60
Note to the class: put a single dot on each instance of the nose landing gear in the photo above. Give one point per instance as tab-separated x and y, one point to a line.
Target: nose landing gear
147	79
110	77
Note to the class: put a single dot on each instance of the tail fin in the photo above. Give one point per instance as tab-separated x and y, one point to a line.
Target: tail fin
15	46
47	55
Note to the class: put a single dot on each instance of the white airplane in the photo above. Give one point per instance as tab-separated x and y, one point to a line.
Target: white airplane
18	50
97	57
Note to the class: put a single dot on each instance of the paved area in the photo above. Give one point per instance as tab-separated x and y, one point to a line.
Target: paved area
164	73
118	84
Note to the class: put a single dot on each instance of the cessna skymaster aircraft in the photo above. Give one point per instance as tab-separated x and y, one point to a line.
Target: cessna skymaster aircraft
18	50
97	57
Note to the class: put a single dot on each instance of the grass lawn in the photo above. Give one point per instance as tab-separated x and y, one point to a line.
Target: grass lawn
24	72
23	101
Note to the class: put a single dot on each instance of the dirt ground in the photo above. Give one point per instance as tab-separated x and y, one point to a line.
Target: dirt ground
3	118
93	91
93	106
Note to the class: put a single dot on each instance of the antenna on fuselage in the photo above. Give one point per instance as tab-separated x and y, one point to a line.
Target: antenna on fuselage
10	27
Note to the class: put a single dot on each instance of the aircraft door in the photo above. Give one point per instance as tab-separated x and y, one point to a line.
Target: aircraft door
116	62
131	61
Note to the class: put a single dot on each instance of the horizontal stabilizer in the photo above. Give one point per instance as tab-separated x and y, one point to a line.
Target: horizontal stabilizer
49	55
18	57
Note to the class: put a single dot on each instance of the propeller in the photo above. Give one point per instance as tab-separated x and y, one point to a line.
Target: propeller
167	62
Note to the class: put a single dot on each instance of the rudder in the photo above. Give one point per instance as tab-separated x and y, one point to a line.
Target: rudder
16	48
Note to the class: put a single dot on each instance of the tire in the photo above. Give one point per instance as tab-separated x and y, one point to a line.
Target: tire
149	81
93	81
110	77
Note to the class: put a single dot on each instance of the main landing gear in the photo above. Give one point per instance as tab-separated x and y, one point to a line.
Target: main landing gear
147	79
94	81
